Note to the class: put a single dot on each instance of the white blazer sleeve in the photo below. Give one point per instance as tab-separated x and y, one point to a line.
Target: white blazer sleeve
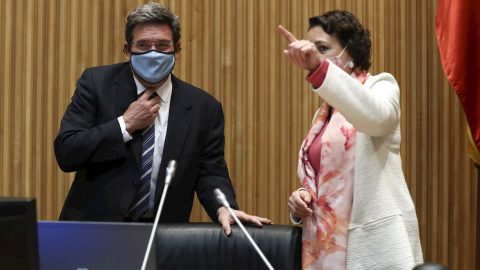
372	108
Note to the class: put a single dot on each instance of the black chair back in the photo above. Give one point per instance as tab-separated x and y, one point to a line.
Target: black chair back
431	266
205	246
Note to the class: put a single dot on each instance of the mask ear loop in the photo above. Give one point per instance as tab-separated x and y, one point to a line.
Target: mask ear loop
340	55
349	63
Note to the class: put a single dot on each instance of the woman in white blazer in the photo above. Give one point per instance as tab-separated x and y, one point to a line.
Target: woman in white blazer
356	210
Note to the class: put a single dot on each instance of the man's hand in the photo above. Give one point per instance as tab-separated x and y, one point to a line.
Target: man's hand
142	112
226	219
302	53
299	204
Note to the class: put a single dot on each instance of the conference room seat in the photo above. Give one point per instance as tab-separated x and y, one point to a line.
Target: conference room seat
205	246
431	266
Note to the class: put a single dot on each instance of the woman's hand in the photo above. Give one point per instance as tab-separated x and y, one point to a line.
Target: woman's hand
299	204
302	53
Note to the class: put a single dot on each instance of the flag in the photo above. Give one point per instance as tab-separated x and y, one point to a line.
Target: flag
457	24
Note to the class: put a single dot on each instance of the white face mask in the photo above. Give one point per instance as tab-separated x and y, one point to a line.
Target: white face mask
338	61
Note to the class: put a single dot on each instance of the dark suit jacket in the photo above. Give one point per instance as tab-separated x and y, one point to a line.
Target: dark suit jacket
108	170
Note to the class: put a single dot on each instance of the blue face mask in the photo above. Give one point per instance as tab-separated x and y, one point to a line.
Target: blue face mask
152	66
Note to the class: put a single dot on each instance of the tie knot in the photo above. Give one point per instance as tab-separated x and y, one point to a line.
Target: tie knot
152	96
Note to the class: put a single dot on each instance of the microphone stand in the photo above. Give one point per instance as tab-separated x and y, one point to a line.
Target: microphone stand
170	172
222	199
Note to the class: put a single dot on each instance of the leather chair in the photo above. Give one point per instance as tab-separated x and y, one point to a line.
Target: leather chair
205	246
430	266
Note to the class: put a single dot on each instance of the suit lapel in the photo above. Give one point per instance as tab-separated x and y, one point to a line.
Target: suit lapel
178	125
124	93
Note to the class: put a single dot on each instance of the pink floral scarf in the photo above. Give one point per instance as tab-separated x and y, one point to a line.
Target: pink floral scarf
324	243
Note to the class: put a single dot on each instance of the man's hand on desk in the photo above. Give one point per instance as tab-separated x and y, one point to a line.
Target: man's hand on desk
226	219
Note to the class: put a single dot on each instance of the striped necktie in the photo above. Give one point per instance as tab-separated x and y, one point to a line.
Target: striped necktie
141	199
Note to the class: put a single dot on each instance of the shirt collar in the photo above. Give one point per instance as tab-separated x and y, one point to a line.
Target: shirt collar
164	91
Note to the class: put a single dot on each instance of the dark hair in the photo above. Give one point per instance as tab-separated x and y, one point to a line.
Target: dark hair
349	31
152	12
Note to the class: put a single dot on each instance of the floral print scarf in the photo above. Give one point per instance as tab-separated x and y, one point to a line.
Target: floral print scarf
324	240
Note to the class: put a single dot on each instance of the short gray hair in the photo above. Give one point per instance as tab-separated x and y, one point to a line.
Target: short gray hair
152	12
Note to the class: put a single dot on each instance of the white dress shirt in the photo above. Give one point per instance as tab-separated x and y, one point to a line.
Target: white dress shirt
161	123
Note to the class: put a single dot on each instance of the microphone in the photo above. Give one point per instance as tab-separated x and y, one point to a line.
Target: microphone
172	166
223	200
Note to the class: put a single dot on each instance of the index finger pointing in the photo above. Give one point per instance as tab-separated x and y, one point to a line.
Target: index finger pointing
289	36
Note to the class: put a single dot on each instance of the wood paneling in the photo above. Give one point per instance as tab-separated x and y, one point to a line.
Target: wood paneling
233	50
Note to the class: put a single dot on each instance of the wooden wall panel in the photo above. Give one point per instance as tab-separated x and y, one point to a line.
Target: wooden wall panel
233	50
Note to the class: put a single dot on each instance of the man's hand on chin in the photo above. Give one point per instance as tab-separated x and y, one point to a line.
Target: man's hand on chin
226	219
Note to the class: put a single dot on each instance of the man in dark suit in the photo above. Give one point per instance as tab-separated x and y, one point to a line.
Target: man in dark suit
101	134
